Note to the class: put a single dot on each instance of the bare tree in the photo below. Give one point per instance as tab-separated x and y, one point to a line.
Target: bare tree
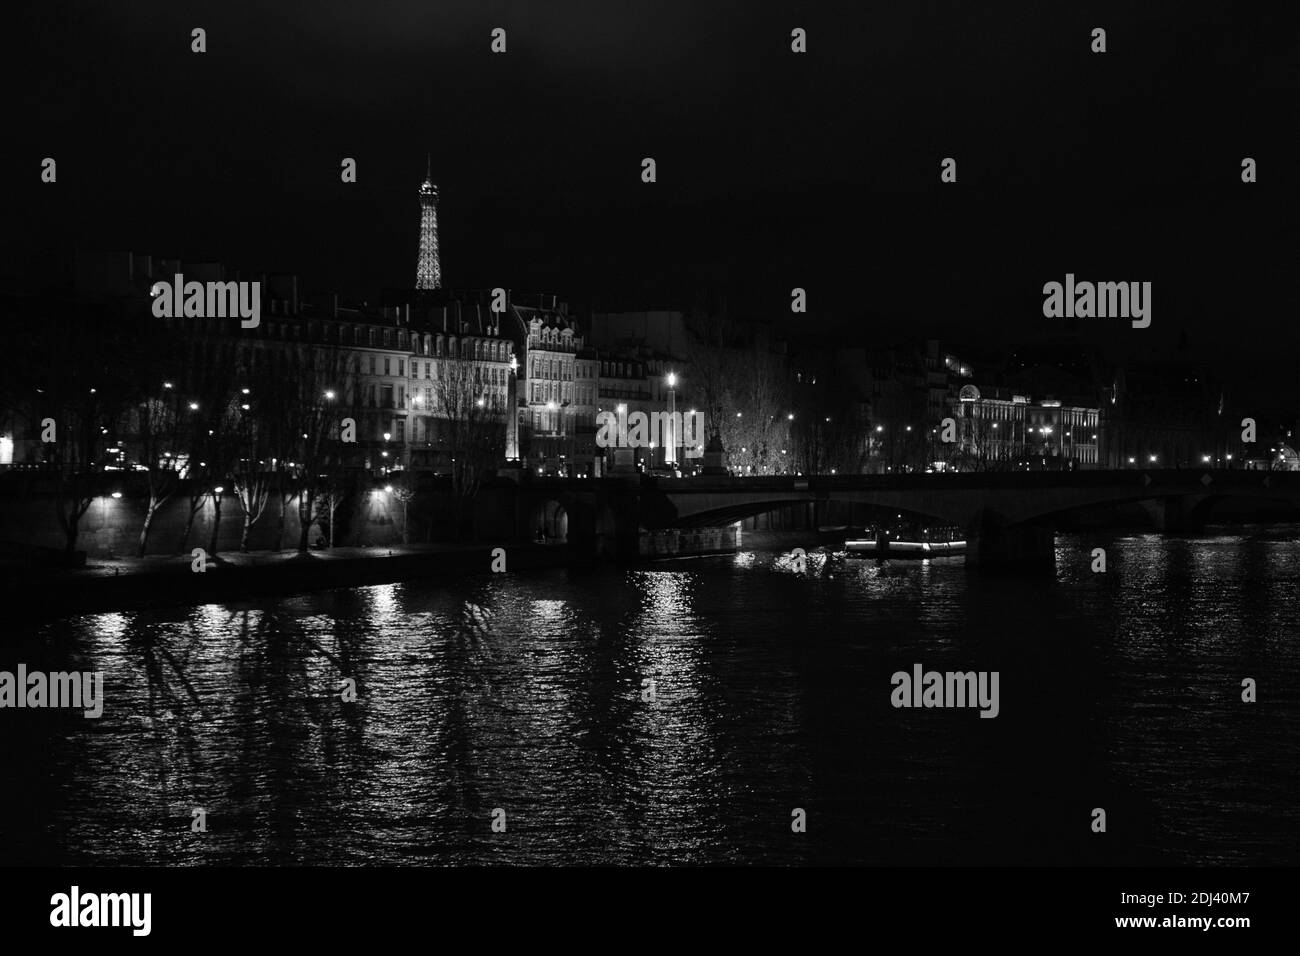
474	430
743	389
982	444
207	420
80	377
404	490
334	489
222	449
826	436
319	381
252	472
160	430
757	432
712	361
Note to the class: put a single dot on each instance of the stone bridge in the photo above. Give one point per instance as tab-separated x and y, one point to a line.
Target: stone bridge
1009	517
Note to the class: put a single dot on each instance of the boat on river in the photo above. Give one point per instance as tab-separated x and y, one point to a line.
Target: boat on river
885	548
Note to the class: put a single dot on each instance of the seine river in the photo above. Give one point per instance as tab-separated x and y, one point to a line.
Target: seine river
526	699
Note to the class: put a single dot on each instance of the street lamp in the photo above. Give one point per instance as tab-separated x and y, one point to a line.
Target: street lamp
329	394
670	445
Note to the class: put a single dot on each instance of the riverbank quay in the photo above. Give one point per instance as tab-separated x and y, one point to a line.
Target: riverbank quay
123	584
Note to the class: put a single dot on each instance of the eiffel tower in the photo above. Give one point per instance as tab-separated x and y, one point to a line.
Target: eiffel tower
428	273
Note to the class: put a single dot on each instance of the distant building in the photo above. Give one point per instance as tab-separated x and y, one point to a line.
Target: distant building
1168	415
546	408
998	429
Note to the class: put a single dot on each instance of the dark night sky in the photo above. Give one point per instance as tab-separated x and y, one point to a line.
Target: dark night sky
775	170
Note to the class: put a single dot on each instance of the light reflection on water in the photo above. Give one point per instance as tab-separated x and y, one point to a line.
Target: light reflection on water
530	693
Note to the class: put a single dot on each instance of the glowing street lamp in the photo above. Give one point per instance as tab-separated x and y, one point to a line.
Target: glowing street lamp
670	443
329	394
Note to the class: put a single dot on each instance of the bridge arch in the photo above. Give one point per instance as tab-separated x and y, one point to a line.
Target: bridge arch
963	500
729	514
548	520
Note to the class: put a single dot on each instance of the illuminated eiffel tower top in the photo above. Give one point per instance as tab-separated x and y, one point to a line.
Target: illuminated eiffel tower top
428	273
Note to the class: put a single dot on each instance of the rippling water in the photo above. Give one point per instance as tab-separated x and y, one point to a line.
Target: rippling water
524	693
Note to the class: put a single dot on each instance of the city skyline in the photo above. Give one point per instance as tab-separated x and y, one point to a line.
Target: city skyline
772	196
